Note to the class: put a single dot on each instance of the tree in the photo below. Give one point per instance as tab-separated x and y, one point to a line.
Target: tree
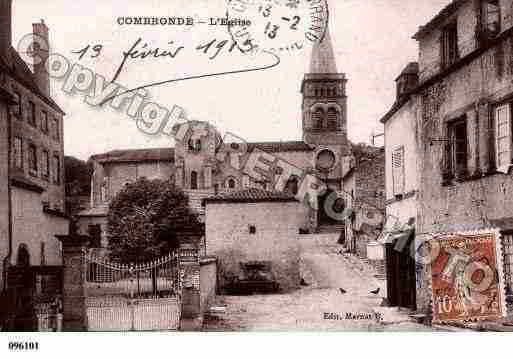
145	219
78	183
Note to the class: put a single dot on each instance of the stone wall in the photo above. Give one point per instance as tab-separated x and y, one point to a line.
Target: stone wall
483	196
276	239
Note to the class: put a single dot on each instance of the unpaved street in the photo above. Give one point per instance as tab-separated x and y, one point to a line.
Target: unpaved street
320	305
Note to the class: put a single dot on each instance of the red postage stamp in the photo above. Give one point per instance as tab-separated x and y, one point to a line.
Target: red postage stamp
467	277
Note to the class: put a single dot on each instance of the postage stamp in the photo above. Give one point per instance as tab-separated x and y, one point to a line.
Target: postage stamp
466	277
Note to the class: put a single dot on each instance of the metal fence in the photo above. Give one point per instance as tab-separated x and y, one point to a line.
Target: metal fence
138	296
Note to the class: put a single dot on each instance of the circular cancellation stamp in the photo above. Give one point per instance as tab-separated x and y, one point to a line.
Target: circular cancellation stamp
277	25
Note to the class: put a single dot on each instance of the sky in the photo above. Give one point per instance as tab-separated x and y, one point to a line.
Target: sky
371	38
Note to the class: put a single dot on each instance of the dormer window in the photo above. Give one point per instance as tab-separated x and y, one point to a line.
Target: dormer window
449	44
491	17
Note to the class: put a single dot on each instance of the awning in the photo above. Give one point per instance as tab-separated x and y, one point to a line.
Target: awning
397	231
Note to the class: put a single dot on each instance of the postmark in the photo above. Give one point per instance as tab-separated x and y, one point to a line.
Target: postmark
278	25
467	282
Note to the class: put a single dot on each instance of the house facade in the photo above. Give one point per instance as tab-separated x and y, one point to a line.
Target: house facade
32	174
204	164
461	109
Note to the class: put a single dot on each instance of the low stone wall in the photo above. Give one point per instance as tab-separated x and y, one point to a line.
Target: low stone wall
208	282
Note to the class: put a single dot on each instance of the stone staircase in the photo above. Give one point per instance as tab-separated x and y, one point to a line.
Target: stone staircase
330	228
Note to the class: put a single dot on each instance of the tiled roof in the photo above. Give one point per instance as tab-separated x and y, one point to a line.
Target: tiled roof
445	12
411	69
136	155
251	195
287	146
21	72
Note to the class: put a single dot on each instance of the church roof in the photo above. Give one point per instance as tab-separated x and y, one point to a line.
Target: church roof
323	57
136	155
167	154
251	195
273	147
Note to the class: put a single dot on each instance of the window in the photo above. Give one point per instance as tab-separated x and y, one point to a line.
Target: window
317	117
194	180
252	230
46	164
18	109
55	129
292	185
95	232
103	192
503	135
449	44
23	258
458	147
44	121
32	159
56	169
398	177
18	152
491	17
332	119
231	183
32	113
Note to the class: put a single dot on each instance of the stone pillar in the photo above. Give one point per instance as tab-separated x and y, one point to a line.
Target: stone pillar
73	282
191	316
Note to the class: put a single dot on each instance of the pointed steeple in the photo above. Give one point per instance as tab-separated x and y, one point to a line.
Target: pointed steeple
323	57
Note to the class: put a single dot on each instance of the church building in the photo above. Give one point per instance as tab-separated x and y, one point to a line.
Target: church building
199	166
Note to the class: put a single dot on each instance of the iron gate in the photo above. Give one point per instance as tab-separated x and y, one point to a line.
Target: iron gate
138	296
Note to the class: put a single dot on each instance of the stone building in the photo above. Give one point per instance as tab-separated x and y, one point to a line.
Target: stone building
259	227
32	174
204	164
461	110
364	189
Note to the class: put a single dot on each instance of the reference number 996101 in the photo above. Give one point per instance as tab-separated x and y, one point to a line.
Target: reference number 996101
23	346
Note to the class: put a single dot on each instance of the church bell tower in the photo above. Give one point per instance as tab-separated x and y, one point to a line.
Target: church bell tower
325	113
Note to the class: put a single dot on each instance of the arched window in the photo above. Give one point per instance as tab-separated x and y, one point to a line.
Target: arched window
23	258
194	180
231	183
317	118
332	119
292	185
191	144
197	146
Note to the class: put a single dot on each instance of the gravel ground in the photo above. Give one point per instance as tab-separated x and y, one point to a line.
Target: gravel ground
320	306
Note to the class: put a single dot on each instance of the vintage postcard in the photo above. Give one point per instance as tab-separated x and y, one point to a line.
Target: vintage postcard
255	165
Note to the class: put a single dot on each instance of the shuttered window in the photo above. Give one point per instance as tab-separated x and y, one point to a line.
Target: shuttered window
332	119
317	118
398	171
503	136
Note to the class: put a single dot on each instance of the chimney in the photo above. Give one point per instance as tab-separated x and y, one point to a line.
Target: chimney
5	30
40	73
